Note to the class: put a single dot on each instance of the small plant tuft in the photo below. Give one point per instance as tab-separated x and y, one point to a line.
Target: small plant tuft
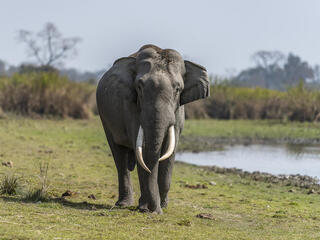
9	185
36	195
184	222
40	194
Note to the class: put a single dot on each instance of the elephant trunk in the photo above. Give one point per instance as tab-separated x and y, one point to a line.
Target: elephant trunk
154	145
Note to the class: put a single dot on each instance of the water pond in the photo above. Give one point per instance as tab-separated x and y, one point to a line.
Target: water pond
274	159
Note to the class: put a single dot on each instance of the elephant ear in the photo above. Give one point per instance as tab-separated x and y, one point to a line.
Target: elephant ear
121	76
125	68
196	83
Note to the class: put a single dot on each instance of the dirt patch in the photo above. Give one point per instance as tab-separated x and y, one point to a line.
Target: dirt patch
93	197
7	164
69	193
197	186
205	216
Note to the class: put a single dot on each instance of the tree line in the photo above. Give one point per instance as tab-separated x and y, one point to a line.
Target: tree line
275	70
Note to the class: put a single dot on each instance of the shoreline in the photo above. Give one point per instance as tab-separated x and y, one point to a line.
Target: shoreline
294	180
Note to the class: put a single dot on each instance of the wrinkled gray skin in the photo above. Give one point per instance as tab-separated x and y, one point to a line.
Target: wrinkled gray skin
149	88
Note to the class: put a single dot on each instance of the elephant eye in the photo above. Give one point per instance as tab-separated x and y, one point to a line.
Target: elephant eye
177	90
140	84
140	87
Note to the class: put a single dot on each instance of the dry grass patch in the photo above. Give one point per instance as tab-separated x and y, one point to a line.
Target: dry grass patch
37	94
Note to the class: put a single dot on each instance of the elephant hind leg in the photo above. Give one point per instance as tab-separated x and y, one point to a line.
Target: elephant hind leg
120	156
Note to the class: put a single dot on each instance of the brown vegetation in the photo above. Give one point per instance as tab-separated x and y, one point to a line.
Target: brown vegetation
46	94
230	102
49	94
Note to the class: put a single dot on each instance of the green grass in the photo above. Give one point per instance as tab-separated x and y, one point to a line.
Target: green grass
80	161
254	129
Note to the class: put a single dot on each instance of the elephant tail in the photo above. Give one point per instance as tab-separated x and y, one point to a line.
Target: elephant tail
131	161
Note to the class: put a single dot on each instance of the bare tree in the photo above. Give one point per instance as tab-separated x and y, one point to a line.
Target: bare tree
48	46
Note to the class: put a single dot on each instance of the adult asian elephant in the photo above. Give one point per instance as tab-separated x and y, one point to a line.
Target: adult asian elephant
140	102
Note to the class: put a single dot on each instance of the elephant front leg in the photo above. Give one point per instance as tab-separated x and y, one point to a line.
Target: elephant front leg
143	204
166	167
150	199
164	179
120	155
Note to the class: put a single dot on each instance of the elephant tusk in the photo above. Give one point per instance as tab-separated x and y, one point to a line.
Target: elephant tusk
172	143
139	150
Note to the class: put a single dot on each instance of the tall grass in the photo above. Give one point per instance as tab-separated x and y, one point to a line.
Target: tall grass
41	193
46	94
230	102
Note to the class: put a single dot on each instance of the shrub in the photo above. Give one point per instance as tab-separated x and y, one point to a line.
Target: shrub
230	102
196	110
41	93
2	114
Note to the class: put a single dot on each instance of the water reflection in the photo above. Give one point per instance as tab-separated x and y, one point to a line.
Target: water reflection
275	159
299	150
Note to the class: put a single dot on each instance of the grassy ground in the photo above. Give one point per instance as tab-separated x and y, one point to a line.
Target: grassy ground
80	161
259	129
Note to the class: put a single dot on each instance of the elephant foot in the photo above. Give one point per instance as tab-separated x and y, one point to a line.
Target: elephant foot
143	205
164	203
124	202
158	211
144	209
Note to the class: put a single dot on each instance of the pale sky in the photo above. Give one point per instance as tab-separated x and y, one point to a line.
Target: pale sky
219	35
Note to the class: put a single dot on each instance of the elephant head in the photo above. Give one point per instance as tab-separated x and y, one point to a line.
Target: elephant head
162	83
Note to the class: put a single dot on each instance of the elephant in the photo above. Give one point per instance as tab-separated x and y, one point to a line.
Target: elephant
140	100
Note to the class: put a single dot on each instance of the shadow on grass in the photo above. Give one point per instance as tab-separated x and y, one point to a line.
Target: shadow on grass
77	205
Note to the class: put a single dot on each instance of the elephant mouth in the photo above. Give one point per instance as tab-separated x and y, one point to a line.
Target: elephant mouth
168	153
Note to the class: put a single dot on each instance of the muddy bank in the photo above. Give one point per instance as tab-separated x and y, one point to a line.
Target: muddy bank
294	180
201	144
